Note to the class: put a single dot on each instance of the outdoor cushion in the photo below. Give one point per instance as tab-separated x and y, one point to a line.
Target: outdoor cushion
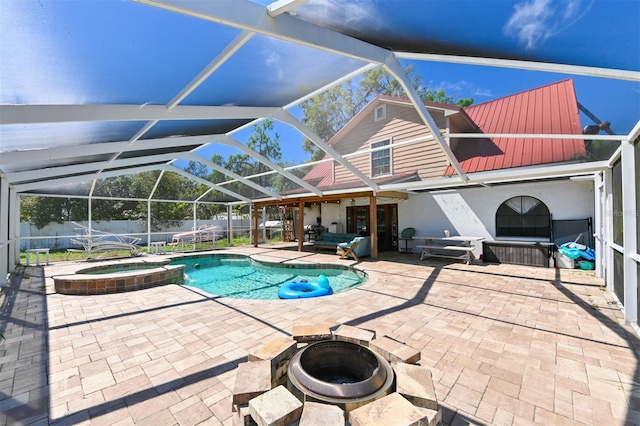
362	249
329	239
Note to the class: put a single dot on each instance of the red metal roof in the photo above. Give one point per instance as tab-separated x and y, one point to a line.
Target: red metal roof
322	173
550	109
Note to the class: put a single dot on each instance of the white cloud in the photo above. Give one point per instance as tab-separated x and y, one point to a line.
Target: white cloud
482	92
345	12
535	21
273	61
462	89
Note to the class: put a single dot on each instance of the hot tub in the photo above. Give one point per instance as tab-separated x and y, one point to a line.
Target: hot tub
119	277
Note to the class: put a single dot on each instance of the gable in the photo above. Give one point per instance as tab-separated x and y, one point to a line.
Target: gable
401	125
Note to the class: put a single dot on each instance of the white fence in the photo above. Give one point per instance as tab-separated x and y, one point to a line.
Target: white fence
57	236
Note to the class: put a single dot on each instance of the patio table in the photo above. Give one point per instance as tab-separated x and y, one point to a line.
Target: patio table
454	247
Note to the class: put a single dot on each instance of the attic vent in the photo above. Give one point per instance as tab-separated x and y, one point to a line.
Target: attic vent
380	113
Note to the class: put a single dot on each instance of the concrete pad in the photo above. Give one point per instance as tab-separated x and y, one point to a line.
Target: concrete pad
311	333
315	413
392	410
352	334
434	417
414	382
394	351
278	351
252	379
242	416
527	334
278	407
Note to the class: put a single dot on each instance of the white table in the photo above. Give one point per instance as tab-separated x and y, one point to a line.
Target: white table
454	247
159	247
37	253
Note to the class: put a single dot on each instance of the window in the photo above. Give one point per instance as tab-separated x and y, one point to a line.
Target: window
381	159
380	113
523	217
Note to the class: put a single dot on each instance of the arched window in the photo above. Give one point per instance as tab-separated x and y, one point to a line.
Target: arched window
523	217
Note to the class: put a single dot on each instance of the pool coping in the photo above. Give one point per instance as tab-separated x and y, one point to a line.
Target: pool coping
84	283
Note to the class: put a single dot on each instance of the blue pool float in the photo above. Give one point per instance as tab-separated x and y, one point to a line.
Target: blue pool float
577	251
304	289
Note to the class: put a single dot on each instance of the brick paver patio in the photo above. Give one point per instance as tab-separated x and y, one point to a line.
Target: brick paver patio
507	344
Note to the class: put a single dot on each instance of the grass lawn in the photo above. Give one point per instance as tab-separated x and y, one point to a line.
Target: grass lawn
67	256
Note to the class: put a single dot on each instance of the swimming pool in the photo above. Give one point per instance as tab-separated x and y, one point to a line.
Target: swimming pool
241	277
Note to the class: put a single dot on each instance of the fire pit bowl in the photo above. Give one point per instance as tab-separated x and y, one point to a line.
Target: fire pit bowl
339	372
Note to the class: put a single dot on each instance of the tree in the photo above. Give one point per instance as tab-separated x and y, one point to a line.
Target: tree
42	211
329	111
264	144
119	207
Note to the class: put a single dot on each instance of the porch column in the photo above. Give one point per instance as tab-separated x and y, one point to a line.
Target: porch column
254	210
301	226
229	225
629	235
264	224
14	228
5	223
599	200
608	230
373	224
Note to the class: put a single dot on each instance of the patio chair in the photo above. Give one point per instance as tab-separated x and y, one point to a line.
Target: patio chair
347	249
406	235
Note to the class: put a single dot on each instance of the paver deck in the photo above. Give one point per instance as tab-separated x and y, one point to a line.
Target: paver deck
506	344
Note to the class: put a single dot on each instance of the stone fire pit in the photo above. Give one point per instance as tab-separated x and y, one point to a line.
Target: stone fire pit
347	376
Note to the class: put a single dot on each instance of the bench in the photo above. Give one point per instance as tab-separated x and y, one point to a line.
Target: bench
37	252
160	247
428	251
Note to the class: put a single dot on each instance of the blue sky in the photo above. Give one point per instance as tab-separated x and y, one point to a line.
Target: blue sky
596	33
119	51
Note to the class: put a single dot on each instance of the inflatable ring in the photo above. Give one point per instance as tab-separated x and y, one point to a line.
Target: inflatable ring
304	289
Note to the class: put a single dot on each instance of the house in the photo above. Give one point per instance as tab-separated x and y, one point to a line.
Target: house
388	142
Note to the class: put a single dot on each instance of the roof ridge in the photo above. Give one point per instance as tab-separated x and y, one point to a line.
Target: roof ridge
502	98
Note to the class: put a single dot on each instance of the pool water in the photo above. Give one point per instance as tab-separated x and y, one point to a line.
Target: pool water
241	278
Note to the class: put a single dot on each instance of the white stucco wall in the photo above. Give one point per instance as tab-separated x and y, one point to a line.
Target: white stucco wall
332	212
472	211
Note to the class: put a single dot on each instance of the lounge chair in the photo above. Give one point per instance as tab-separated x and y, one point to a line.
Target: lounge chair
349	249
94	241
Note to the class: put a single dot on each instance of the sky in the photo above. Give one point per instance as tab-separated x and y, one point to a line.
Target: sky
123	52
572	31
